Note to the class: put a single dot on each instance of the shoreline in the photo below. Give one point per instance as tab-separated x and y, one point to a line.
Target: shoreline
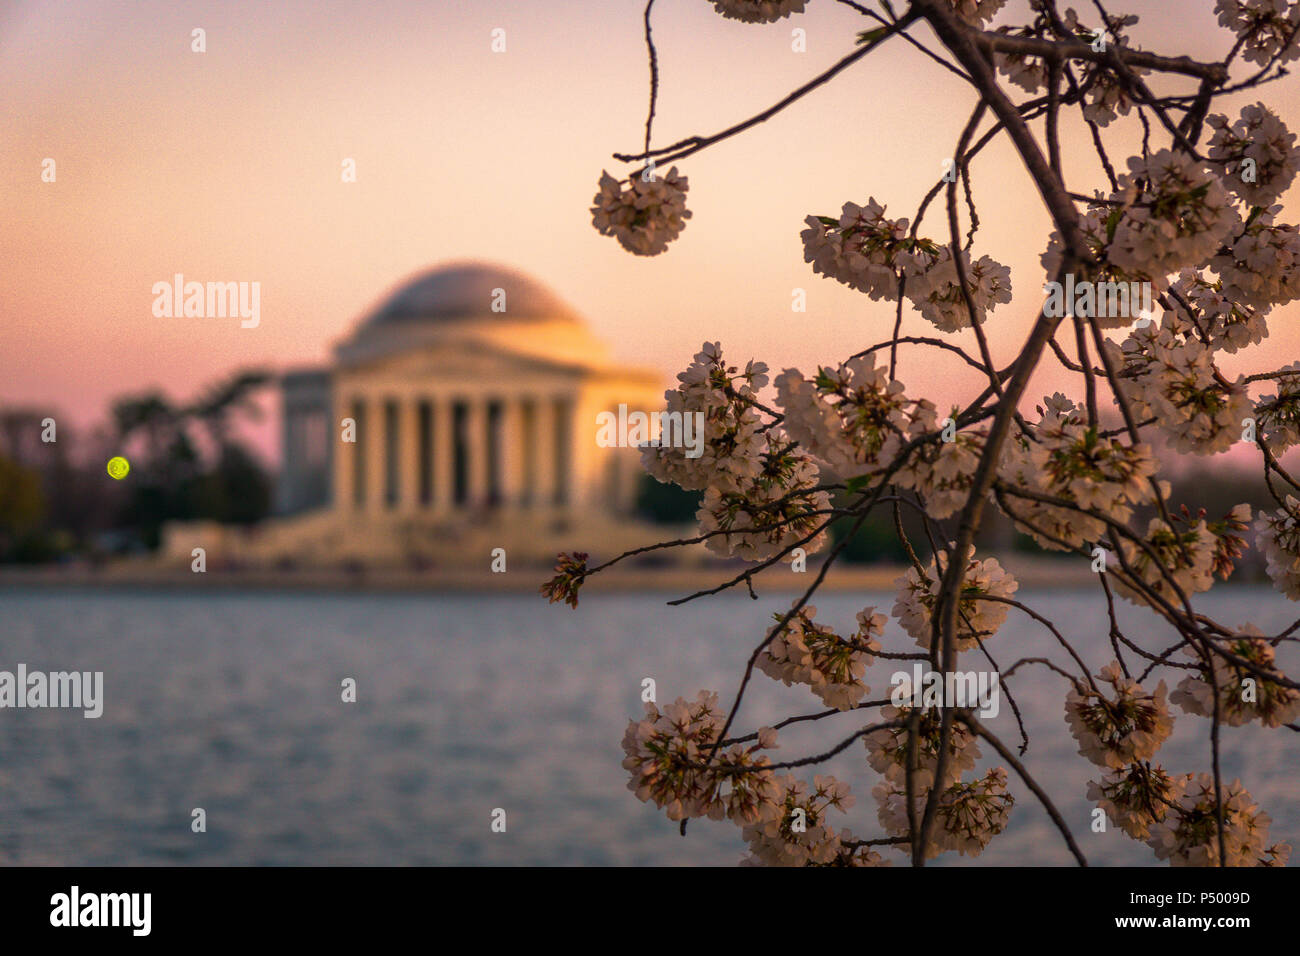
1031	572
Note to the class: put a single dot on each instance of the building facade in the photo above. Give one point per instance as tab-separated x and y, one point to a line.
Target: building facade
463	408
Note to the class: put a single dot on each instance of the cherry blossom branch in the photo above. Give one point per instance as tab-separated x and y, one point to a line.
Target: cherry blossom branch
693	144
971	721
955	38
1078	50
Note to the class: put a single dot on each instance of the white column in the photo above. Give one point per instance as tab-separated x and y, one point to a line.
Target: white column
544	448
340	481
574	461
376	473
345	460
476	448
510	445
562	454
443	449
408	454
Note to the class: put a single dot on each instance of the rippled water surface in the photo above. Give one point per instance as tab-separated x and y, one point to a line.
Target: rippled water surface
231	702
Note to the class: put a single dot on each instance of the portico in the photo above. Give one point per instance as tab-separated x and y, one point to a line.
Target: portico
430	450
470	394
460	416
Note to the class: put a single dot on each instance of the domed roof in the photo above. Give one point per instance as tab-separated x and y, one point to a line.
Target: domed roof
467	290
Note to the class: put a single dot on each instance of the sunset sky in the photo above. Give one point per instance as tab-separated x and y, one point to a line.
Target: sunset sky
226	166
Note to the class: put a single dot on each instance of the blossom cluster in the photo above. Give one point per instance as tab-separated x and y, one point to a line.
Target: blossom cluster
967	815
1169	376
792	828
1266	27
1182	555
1261	266
977	616
733	430
1258	154
1135	796
863	249
941	472
934	286
1222	322
1170	212
644	213
887	749
666	753
767	515
1179	556
1177	817
570	572
760	494
1121	726
869	252
1025	70
805	652
1188	833
758	11
1278	535
1277	416
853	419
1071	461
1108	96
784	820
1244	695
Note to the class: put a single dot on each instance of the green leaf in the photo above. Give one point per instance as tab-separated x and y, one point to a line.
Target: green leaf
854	485
1112	222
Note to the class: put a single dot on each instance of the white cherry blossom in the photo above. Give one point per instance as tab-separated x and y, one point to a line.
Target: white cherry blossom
1244	695
977	618
758	11
1188	835
1260	137
644	213
1118	725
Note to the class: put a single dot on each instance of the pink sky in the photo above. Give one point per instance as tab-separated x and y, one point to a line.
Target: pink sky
226	166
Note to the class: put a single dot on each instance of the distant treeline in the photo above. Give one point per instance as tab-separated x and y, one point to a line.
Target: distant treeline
57	500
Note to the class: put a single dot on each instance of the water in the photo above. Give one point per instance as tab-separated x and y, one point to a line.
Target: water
468	703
